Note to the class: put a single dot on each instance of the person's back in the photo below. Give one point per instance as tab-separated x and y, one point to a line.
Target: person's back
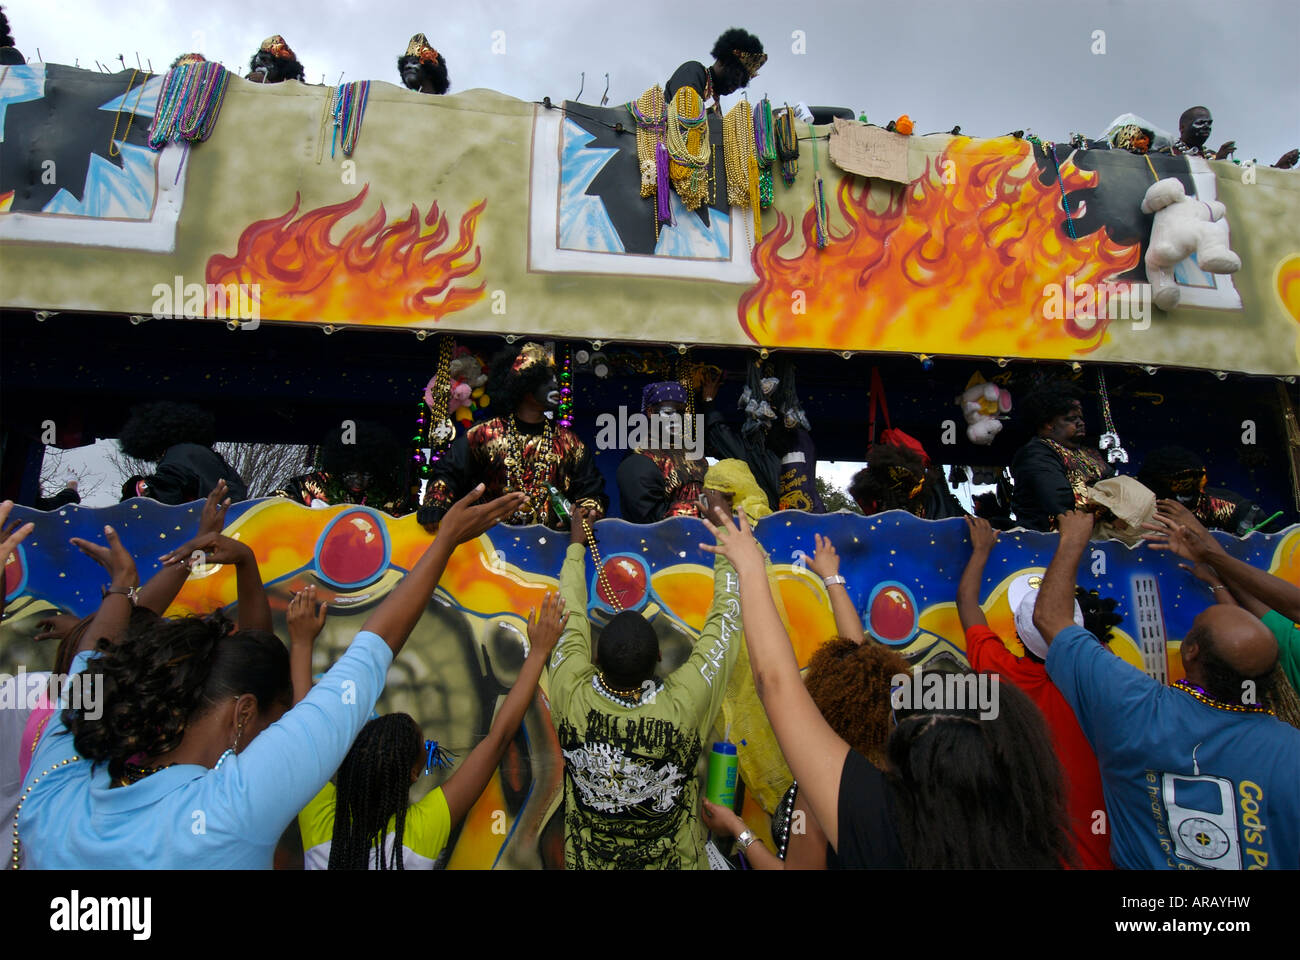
630	789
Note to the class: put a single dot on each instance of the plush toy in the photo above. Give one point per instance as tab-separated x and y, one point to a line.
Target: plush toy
1183	226
981	403
467	383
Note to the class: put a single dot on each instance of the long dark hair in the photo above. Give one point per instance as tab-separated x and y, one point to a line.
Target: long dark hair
374	785
979	794
162	676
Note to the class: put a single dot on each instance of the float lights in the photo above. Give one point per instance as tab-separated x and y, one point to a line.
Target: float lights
1221	374
597	344
232	325
421	334
1151	371
511	338
136	319
763	353
43	315
328	329
1076	366
1002	361
846	354
681	348
581	356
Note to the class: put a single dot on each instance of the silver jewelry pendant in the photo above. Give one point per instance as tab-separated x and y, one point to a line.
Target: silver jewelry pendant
1116	455
1108	440
442	432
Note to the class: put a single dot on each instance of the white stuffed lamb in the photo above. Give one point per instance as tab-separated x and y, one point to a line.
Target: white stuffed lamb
1183	226
981	403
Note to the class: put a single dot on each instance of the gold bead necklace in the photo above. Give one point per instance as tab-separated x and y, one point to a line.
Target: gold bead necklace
13	865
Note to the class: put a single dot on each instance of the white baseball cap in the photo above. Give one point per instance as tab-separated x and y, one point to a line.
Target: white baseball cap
1022	595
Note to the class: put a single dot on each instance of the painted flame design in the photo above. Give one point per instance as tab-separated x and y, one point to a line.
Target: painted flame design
379	273
961	265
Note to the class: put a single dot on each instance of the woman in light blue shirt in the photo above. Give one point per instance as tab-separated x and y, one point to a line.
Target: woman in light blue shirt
194	759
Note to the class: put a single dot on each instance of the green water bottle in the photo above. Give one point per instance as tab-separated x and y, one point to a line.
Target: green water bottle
723	768
560	504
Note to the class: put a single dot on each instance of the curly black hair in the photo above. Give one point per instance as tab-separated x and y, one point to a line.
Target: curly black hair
6	38
627	650
435	73
874	489
507	388
154	427
1099	616
735	76
169	673
1161	466
1047	403
979	794
280	69
374	785
850	683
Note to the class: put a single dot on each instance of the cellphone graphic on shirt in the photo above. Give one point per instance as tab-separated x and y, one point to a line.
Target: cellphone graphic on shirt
1203	820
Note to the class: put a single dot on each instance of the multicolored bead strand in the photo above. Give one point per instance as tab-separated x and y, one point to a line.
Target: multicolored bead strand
349	108
189	103
565	411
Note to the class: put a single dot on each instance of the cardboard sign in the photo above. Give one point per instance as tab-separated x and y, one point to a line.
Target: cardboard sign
869	151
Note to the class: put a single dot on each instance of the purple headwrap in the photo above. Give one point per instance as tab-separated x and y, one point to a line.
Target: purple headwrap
665	391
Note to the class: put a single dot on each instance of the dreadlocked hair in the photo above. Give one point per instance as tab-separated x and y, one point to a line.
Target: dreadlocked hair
169	672
374	787
1280	697
155	427
1099	614
979	794
850	683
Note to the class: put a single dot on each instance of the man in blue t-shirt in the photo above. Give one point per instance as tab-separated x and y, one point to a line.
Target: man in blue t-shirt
1195	775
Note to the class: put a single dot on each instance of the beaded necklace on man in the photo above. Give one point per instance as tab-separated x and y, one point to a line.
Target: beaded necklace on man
687	139
530	474
1198	693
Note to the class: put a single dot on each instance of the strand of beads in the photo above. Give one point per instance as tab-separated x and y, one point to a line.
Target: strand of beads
686	377
689	147
602	581
113	150
765	145
651	118
1065	203
433	430
565	411
349	108
189	103
787	146
819	200
13	863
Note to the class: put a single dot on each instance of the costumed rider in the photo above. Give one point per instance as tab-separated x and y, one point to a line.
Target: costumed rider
1176	473
9	54
178	437
1053	471
663	478
522	451
360	463
422	68
901	478
737	57
274	62
1193	131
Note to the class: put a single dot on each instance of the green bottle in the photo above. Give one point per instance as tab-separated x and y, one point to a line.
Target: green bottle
723	768
562	507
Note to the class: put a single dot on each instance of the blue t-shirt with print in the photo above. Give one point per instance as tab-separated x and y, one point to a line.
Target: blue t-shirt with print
1187	785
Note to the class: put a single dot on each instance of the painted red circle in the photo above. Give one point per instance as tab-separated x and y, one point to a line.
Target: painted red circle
892	615
627	579
354	550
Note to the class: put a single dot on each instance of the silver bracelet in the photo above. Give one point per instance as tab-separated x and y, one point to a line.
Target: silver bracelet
745	839
834	579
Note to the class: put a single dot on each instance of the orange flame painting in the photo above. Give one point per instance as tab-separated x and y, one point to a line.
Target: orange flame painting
963	255
380	272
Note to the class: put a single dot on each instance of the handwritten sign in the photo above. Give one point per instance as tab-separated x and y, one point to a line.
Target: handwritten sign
869	151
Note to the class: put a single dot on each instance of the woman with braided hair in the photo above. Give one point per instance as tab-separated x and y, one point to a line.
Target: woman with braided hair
363	819
191	756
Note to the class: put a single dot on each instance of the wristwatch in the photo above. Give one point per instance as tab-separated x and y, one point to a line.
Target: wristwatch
834	579
745	839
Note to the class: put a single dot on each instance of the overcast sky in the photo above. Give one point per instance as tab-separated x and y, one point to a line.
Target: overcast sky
990	65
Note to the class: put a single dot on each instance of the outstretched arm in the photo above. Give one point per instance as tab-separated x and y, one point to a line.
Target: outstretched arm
826	564
10	537
1173	530
466	785
1054	610
306	620
816	754
401	609
982	538
162	588
115	610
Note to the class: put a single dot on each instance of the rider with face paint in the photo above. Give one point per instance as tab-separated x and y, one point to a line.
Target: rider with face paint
660	478
523	451
422	68
1052	472
274	62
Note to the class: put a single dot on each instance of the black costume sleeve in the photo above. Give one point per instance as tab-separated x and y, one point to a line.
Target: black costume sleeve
689	74
173	483
587	482
61	499
1042	489
642	490
868	832
448	478
720	441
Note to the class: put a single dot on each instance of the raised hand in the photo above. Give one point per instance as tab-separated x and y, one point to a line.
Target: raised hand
213	517
113	558
1179	514
825	561
577	528
210	548
468	519
305	618
1226	150
982	534
545	628
12	536
1075	525
56	626
735	541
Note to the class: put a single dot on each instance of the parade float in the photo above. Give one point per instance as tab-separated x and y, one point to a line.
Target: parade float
313	254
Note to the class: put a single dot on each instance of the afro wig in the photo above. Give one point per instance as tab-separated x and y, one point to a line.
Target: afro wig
735	75
506	387
435	73
1047	403
154	427
877	488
